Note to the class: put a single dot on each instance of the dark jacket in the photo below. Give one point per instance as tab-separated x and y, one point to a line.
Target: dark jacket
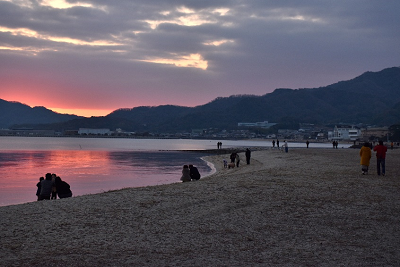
46	187
63	189
194	173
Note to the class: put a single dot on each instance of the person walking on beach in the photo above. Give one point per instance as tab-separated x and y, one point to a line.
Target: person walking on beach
273	143
380	157
46	187
63	188
277	143
307	143
185	174
194	173
248	155
365	155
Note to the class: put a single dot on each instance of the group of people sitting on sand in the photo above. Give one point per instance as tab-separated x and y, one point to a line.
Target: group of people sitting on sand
50	186
190	173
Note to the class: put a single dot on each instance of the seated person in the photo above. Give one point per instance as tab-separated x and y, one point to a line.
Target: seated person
63	188
194	173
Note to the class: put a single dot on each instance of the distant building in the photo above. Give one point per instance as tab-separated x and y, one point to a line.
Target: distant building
377	133
197	132
27	132
264	124
90	131
345	133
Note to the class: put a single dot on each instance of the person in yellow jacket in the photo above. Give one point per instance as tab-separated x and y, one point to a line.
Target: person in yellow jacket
365	154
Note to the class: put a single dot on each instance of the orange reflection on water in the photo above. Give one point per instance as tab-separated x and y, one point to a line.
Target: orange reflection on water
20	171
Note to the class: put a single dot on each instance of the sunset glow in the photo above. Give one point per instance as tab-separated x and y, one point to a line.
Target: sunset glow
92	57
82	112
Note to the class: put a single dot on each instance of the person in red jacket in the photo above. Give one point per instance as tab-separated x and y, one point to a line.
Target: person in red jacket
380	157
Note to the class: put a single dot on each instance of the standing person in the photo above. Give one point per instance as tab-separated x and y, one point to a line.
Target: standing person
277	143
219	144
46	187
63	188
194	173
185	174
336	144
365	154
307	143
39	187
333	144
273	143
237	159
248	155
233	157
285	145
380	157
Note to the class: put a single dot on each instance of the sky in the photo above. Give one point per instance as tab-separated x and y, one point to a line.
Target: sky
92	57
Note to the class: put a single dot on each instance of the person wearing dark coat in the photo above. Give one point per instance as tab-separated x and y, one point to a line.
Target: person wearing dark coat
194	173
46	187
39	187
63	188
233	157
248	155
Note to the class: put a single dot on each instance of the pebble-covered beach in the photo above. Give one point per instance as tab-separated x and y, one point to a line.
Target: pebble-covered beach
308	207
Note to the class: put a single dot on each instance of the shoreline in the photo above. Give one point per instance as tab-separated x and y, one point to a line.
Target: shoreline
306	207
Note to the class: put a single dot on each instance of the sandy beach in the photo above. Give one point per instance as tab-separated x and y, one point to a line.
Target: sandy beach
308	207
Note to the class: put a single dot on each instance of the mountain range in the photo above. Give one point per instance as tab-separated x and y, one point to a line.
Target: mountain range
371	98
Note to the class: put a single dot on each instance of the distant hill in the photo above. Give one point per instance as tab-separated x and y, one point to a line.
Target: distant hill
371	98
12	113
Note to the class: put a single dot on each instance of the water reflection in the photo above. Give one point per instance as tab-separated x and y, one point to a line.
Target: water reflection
89	172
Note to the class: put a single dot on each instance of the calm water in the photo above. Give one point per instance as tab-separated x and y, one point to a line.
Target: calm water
94	165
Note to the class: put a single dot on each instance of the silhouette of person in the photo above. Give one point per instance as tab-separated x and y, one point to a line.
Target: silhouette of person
185	174
63	188
194	173
248	155
39	187
46	187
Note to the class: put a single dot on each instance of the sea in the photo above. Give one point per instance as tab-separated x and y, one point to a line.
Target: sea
96	165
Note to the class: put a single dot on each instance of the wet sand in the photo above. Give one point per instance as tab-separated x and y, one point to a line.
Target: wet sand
308	207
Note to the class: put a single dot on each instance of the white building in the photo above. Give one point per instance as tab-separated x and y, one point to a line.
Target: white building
263	124
347	133
88	131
